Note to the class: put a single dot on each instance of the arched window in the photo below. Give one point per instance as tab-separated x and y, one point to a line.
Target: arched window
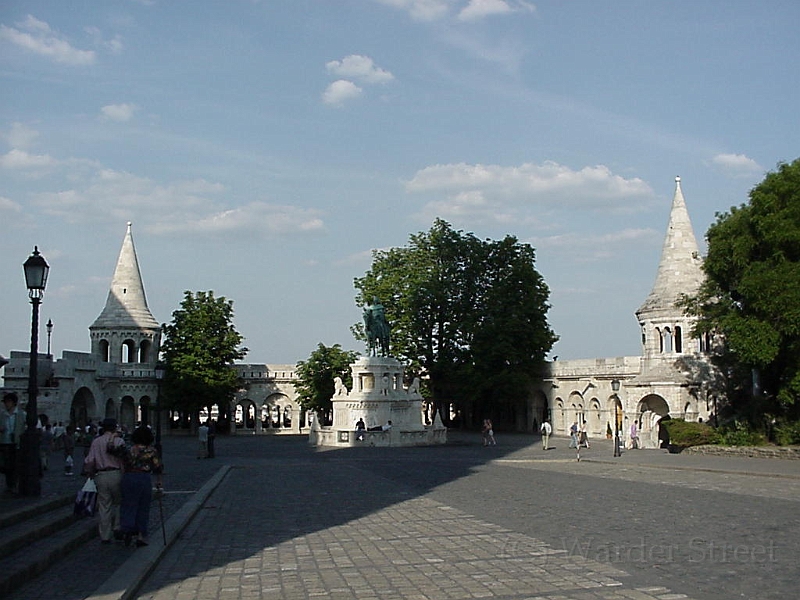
678	339
128	351
667	340
144	351
660	340
105	350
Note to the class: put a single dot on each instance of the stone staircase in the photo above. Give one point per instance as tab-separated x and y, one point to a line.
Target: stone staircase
35	536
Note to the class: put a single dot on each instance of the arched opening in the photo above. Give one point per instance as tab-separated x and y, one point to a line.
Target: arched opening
127	412
667	340
82	407
144	351
145	410
105	350
594	422
678	339
128	351
651	410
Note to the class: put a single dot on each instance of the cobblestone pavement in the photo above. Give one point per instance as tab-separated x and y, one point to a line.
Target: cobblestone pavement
510	522
460	521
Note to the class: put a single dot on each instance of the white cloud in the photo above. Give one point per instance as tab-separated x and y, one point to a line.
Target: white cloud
119	112
478	9
422	10
36	36
585	247
340	91
737	164
360	68
256	217
181	207
114	45
7	205
505	194
21	136
22	160
528	178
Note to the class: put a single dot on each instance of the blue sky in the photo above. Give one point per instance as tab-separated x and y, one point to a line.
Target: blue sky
262	150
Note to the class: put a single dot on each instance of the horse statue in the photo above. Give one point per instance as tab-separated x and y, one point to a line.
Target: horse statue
377	329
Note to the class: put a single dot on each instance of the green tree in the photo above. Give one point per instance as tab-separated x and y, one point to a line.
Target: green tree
315	378
751	297
466	314
199	348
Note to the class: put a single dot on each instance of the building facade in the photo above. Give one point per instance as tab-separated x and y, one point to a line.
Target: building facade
671	377
117	378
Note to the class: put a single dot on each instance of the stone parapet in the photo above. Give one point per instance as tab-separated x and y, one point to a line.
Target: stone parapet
784	452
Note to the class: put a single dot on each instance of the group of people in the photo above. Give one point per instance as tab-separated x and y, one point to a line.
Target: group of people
578	436
361	428
123	473
206	435
487	432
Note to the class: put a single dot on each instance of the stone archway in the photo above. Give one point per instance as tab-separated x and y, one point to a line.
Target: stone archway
127	413
538	411
651	410
83	407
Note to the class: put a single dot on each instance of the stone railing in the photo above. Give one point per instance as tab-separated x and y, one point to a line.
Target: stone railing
785	452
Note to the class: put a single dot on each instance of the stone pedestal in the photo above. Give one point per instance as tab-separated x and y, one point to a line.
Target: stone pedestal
378	397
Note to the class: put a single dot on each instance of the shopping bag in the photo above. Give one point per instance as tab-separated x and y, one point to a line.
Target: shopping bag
86	499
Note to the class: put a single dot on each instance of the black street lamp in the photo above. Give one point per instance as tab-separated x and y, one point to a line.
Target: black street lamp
617	406
161	368
36	271
49	333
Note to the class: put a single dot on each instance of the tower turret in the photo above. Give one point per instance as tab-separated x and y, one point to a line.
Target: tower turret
665	327
125	331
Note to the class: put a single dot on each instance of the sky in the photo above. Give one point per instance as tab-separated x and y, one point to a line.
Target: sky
264	149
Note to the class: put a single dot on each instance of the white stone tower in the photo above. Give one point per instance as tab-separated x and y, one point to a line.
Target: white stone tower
126	332
666	330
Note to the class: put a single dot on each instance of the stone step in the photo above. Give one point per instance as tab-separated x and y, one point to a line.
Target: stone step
33	538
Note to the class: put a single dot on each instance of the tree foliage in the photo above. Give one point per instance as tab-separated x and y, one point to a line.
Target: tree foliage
315	377
199	348
467	314
751	296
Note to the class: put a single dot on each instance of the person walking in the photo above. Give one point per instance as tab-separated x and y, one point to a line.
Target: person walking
583	440
104	465
202	437
212	437
546	430
12	426
490	433
141	464
573	434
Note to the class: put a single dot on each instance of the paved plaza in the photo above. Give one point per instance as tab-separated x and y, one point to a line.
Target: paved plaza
283	520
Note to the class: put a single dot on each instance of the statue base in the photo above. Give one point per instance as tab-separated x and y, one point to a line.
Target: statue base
378	398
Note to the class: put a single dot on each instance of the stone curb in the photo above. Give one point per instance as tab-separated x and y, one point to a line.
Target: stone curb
125	582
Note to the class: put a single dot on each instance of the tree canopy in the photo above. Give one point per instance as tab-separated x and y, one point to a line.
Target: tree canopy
468	315
751	296
315	377
199	348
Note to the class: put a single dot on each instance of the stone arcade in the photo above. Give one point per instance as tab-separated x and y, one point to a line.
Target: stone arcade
673	375
117	378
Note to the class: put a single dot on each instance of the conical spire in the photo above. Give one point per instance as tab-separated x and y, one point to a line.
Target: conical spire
680	270
126	305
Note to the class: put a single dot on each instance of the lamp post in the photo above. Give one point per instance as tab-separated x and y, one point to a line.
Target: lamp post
161	368
49	333
617	404
36	271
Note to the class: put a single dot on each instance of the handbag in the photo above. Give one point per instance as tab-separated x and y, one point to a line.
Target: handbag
86	499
